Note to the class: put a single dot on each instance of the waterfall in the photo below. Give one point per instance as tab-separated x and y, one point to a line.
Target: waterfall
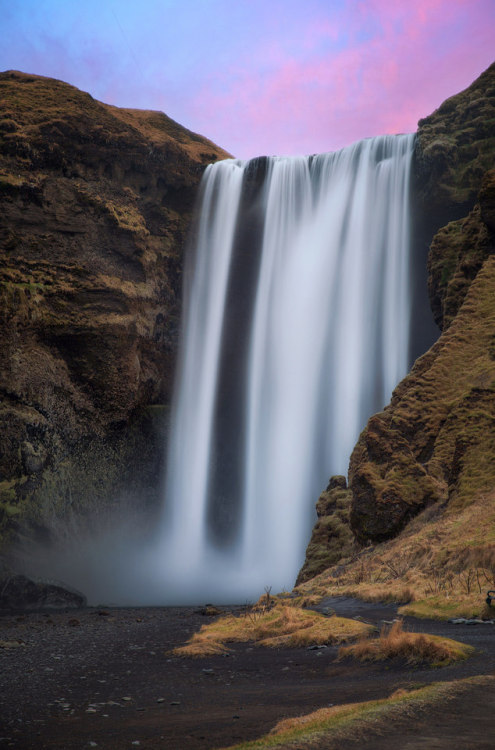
295	330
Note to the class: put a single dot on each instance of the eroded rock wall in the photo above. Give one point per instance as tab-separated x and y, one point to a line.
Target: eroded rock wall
435	442
95	204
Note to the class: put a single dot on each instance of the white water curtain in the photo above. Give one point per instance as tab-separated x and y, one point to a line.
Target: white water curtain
327	343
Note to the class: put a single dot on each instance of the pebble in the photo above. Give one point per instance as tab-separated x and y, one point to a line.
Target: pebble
208	671
127	698
470	621
160	700
175	703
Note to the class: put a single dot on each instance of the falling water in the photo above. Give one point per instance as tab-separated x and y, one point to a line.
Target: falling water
295	331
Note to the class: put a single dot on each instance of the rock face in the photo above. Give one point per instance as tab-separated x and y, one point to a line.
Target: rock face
435	442
332	538
454	149
21	593
95	204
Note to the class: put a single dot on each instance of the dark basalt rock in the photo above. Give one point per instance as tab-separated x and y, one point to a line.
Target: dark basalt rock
19	593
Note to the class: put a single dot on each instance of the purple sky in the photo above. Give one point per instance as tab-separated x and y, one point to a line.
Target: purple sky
259	76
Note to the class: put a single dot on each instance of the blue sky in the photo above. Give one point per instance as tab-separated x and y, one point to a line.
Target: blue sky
285	76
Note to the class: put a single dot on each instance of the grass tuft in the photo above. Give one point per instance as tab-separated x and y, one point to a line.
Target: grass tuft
396	643
281	626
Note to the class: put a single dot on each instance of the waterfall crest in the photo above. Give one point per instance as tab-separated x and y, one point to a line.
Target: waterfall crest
295	331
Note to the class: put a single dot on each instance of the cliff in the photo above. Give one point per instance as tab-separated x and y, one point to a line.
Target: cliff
95	204
434	444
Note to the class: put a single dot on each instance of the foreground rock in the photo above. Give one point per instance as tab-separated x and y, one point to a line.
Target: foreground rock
21	593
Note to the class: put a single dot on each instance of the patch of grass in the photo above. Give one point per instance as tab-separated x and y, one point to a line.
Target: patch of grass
338	724
396	643
281	626
440	566
441	608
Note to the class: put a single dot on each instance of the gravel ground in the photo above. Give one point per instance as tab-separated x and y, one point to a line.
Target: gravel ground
105	678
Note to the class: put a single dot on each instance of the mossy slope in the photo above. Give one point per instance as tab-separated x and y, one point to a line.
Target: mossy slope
434	444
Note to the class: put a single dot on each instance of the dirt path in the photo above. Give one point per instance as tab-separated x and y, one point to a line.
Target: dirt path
103	678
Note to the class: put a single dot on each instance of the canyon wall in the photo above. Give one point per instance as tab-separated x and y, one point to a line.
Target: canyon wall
95	205
434	443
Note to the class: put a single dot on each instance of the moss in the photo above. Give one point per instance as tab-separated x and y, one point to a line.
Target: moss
456	255
331	538
436	441
7	492
455	146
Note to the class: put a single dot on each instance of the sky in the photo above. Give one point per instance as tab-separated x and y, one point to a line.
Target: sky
259	76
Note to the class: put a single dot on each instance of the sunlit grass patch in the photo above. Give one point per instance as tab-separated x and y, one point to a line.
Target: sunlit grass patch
395	642
441	608
200	647
335	725
440	566
281	626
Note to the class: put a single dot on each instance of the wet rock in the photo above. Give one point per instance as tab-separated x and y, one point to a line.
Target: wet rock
21	593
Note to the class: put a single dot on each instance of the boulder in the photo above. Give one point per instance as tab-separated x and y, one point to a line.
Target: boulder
19	593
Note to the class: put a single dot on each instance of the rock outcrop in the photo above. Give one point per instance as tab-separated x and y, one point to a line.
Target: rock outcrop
95	204
454	149
435	442
19	593
332	538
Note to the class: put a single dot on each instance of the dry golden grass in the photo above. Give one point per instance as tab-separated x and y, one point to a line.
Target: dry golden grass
396	643
280	626
63	105
440	566
332	727
161	129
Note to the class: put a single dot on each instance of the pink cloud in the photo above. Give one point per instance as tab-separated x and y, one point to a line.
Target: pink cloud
420	54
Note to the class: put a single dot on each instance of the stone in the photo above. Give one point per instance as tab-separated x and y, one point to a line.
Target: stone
18	592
